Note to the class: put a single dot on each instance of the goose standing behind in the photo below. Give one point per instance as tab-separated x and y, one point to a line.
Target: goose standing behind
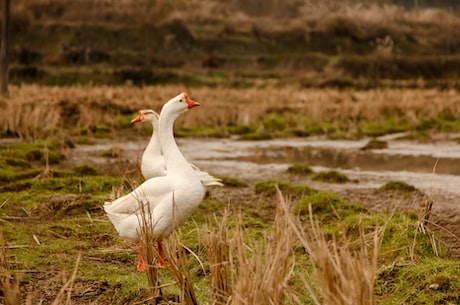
153	163
171	199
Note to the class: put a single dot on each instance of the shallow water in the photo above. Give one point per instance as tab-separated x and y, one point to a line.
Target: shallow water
433	167
430	167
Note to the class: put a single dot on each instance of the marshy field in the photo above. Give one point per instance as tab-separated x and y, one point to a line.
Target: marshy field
335	130
366	212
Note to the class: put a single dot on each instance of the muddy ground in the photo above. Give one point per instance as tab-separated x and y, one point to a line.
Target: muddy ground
433	168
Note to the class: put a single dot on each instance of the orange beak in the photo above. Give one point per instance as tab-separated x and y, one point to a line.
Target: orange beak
138	118
190	103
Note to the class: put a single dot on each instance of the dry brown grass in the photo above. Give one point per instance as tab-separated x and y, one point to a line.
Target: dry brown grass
33	112
263	268
181	259
134	11
219	258
344	270
65	294
149	250
10	292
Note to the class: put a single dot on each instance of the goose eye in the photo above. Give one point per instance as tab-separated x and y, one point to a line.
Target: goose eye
180	100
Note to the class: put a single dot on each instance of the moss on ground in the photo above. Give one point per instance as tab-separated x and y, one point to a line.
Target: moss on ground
430	280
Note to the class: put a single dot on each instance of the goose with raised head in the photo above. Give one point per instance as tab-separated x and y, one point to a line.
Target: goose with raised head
152	163
169	200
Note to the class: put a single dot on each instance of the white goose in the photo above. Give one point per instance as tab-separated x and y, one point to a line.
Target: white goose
171	199
153	163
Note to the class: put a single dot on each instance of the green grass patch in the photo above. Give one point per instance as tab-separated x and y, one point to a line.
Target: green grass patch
232	182
300	168
242	129
331	176
85	170
399	186
258	136
444	122
209	206
200	131
326	206
287	188
324	127
38	153
274	122
429	281
386	125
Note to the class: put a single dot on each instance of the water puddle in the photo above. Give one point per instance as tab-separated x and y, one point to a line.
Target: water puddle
426	166
353	158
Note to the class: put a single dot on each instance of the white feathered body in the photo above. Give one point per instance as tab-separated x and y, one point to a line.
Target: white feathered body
170	201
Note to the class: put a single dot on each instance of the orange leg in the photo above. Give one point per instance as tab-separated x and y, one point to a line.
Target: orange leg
160	260
140	260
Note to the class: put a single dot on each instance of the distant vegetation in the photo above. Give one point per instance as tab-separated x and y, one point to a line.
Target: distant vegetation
236	43
82	113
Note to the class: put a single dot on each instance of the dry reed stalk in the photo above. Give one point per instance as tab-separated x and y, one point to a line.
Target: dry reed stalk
176	253
9	284
47	172
345	271
148	246
422	224
218	253
180	269
67	287
263	277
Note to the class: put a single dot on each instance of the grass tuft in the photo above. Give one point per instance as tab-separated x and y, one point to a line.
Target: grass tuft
399	186
326	206
344	273
300	169
331	176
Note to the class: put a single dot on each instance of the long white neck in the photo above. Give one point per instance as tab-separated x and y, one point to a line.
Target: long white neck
173	157
154	146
